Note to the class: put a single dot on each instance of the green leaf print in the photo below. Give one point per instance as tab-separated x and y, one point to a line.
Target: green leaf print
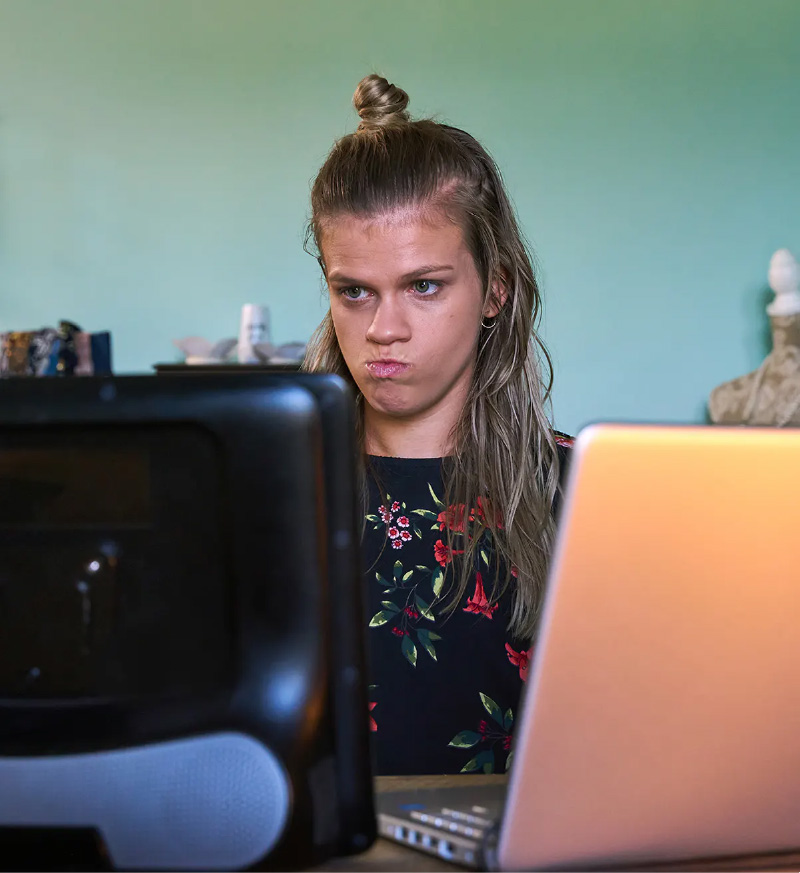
509	759
408	648
372	518
425	513
492	708
437	581
435	498
390	606
487	735
407	576
381	618
424	609
398	572
381	580
465	740
484	557
425	637
482	761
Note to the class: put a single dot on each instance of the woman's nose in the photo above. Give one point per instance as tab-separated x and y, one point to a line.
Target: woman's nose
390	324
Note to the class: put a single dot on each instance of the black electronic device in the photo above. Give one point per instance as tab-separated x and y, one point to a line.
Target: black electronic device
181	633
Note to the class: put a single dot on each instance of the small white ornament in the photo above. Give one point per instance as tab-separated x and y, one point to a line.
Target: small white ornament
253	331
784	280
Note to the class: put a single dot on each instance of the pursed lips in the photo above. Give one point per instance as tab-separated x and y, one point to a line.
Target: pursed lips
385	369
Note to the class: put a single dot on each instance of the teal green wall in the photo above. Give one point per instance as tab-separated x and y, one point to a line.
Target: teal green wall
156	156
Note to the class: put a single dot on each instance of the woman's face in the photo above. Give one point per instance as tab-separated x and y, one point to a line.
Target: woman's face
406	302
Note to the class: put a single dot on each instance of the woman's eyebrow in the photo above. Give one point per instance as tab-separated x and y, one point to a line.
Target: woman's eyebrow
426	270
341	279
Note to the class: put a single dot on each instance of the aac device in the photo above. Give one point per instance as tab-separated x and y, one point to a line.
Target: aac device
181	631
661	720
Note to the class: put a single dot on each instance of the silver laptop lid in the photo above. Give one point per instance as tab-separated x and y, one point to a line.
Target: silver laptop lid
662	719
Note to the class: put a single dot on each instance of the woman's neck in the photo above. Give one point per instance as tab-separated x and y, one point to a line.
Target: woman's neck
424	436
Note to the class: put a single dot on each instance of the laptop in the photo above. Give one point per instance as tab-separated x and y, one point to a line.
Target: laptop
662	715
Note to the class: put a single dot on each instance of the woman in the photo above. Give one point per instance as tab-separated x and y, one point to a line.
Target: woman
433	304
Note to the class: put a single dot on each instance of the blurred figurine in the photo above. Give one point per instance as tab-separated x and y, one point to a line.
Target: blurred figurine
253	332
769	395
67	353
198	350
253	346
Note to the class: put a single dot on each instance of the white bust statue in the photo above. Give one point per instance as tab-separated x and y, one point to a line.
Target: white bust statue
784	279
770	395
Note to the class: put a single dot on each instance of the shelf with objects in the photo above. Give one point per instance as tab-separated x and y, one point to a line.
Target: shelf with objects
253	351
234	368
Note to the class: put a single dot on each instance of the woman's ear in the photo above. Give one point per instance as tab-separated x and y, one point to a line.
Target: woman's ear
497	296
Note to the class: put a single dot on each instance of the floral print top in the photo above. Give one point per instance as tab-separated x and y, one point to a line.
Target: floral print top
446	684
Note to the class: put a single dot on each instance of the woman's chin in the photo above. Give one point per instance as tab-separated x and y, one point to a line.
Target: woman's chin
393	403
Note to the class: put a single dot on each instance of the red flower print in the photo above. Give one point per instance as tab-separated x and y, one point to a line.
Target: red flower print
514	571
455	517
399	632
563	440
411	612
507	742
394	533
395	507
403	521
405	536
483	727
373	725
478	603
443	554
520	659
397	544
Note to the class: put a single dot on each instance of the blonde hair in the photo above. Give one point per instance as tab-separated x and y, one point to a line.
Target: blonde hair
504	452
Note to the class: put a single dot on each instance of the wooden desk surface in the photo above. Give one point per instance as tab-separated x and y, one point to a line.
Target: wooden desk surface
386	855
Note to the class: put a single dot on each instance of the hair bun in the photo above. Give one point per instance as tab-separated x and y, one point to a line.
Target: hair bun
379	103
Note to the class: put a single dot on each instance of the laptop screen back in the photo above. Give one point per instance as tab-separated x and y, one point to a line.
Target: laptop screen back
662	717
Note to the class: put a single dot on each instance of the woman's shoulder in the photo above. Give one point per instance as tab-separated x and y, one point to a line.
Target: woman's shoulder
564	444
563	440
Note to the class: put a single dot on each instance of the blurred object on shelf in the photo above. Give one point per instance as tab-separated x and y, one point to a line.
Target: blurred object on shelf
66	351
254	346
198	350
253	332
288	353
770	395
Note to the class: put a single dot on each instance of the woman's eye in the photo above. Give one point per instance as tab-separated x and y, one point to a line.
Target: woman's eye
425	286
353	293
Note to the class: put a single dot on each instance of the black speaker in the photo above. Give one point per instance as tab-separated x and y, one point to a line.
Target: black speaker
181	630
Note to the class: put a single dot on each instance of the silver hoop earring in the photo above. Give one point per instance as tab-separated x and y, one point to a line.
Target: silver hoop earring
490	325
